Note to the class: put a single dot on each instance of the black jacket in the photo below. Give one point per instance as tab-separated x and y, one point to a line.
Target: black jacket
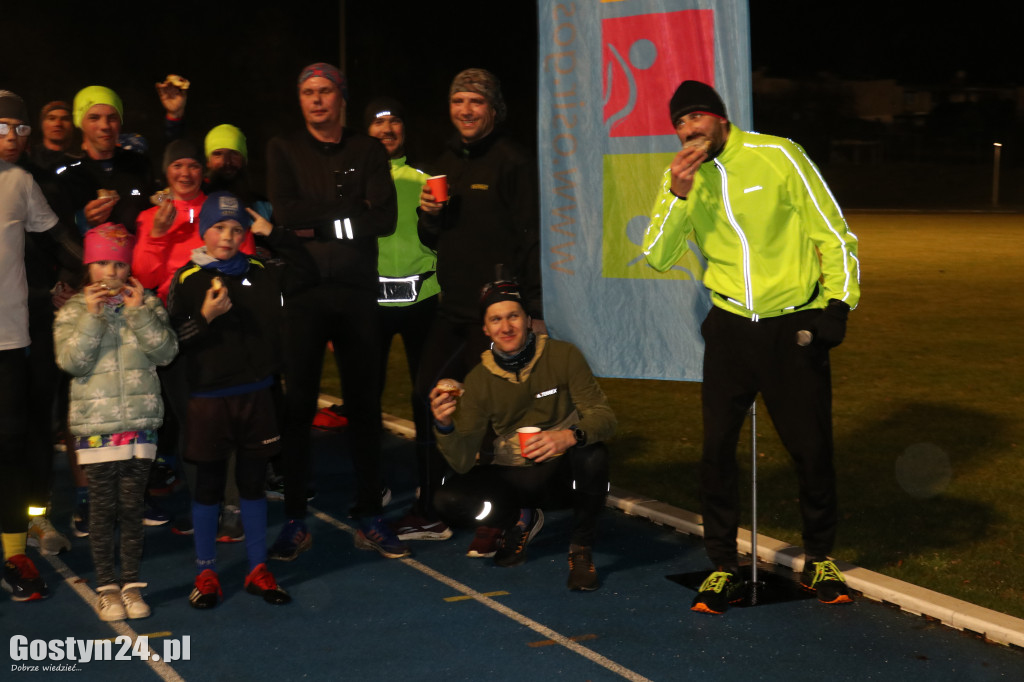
491	219
314	185
244	345
128	173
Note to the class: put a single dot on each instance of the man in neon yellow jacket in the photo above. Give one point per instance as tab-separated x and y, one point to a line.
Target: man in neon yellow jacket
783	273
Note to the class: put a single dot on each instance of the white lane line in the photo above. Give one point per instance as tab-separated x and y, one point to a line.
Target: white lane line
161	668
479	597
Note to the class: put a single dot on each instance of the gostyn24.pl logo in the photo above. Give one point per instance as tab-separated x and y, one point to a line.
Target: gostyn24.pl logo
44	655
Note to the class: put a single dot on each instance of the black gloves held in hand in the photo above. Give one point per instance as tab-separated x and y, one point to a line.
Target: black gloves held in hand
830	327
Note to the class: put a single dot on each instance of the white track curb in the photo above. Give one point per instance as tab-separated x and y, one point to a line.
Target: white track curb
991	625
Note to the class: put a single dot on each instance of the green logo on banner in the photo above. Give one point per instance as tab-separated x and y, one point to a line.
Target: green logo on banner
631	183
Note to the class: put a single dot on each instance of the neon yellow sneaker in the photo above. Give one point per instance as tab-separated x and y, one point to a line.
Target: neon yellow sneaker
718	590
826	581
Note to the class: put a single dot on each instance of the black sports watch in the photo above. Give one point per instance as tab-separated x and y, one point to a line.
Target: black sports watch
580	435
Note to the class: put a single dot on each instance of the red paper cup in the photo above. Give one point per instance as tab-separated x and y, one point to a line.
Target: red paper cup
438	186
525	434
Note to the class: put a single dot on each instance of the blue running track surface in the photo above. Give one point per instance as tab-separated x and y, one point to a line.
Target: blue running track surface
440	615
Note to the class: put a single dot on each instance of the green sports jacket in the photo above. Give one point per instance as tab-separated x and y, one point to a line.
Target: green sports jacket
555	390
761	214
402	254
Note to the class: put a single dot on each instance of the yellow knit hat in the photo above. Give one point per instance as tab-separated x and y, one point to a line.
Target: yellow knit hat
226	136
89	97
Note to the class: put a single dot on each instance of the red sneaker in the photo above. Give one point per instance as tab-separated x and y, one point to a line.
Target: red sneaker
206	592
261	583
486	542
22	579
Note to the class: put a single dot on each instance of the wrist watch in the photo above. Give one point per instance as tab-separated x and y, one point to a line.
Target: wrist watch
580	435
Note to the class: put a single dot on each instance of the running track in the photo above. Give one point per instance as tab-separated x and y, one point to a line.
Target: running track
442	616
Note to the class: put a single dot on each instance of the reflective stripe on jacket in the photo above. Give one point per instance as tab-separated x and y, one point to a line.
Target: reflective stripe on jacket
768	226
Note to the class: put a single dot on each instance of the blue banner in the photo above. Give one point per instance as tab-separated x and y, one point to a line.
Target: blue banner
607	71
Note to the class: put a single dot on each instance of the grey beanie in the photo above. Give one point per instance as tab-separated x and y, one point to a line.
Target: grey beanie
12	106
183	149
482	82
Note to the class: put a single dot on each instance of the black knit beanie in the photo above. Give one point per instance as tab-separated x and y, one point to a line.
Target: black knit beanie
382	106
495	292
693	96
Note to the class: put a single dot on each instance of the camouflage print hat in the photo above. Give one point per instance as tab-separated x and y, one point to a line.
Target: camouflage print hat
482	82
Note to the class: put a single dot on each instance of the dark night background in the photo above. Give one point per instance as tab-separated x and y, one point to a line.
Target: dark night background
243	58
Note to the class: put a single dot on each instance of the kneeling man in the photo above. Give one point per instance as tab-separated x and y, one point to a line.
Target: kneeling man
524	380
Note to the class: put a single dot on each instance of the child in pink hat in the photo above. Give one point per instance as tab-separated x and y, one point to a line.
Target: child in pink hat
110	337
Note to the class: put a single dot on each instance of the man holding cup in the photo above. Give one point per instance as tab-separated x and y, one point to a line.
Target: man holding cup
490	218
487	229
524	380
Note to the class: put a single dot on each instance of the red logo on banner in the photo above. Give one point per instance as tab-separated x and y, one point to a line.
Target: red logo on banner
645	57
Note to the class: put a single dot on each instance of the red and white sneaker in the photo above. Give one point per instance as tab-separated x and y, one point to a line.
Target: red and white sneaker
415	527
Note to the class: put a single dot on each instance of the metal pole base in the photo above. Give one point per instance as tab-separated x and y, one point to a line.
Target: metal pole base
774	585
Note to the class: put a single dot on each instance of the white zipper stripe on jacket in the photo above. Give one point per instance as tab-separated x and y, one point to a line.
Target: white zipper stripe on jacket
747	283
847	256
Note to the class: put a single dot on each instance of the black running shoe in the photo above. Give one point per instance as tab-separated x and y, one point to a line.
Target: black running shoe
718	590
582	574
162	479
826	582
293	540
513	547
230	528
375	533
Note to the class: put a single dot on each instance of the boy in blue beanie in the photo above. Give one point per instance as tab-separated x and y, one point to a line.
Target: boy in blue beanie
227	309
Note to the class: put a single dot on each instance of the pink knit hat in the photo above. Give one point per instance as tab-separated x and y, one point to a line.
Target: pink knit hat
108	242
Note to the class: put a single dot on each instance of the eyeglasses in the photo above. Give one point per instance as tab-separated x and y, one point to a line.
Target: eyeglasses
21	129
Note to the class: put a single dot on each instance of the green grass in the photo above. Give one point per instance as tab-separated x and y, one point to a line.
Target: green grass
928	412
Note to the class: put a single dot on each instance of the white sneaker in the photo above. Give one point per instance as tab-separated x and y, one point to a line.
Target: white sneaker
43	535
108	603
134	606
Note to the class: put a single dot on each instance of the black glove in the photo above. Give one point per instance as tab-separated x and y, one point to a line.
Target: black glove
830	327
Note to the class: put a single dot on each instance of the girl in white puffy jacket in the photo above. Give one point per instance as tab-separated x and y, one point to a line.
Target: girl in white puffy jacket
110	338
